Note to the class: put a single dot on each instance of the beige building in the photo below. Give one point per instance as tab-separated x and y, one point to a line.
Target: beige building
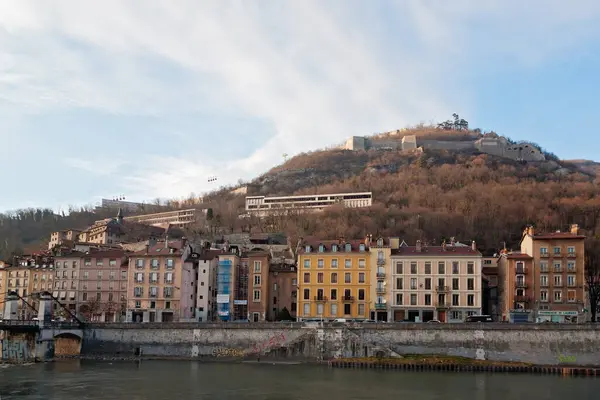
118	230
63	237
206	289
162	283
435	282
380	253
262	205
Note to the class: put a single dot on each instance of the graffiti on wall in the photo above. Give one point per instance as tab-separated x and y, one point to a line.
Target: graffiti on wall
275	340
14	350
227	352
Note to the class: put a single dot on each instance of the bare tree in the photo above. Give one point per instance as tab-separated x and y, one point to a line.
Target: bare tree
592	274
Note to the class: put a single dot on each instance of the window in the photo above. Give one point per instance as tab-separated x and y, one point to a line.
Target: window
379	254
455	282
571	296
111	276
571	250
413	268
544	280
428	268
139	277
543	251
256	280
361	294
110	297
294	282
413	283
455	268
99	274
347	277
306	310
320	309
334	263
87	262
543	295
427	283
321	248
361	247
153	292
123	275
543	266
361	263
470	300
571	280
154	264
154	277
557	280
558	296
257	265
441	268
557	250
398	299
361	277
307	249
333	294
399	268
361	310
571	266
306	294
169	277
84	297
347	294
256	296
334	248
455	299
306	263
320	263
348	263
334	310
98	296
413	299
348	247
112	262
334	277
170	263
168	293
470	268
427	299
307	277
320	277
399	283
470	284
347	309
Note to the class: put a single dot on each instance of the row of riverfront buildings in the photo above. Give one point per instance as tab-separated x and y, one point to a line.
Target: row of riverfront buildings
263	277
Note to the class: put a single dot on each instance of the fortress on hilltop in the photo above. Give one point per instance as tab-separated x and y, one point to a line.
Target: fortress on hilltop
487	143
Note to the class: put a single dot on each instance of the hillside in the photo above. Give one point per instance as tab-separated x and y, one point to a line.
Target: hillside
428	193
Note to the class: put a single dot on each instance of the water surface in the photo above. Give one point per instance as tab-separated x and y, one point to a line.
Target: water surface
181	380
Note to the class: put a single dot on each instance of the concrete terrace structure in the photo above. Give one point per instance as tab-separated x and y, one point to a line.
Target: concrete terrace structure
177	217
263	205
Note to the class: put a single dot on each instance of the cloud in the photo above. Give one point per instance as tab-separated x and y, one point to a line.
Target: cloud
315	72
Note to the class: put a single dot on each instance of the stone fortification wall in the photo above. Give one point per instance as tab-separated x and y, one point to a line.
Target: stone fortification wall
446	144
538	344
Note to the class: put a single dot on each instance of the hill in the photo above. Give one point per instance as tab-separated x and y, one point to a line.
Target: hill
429	192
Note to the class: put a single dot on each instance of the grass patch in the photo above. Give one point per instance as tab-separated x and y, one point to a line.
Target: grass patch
432	359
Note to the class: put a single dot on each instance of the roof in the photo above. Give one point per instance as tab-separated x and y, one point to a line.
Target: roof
208	255
159	249
519	256
314	243
435	251
557	236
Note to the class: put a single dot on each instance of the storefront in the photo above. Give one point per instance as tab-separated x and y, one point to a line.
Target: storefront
558	316
520	315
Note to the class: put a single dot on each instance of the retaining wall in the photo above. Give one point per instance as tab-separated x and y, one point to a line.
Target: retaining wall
537	344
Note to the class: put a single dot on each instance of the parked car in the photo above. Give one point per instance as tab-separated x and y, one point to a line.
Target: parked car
434	321
479	318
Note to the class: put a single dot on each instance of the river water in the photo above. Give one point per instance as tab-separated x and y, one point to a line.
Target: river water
182	380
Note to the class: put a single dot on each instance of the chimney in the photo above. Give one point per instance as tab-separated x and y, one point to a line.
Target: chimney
575	229
166	242
418	246
147	248
473	246
367	240
529	230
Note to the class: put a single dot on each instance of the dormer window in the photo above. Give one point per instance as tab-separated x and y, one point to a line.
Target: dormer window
334	248
379	242
361	247
348	247
321	248
307	249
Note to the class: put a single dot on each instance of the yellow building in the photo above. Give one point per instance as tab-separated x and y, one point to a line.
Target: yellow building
380	251
334	279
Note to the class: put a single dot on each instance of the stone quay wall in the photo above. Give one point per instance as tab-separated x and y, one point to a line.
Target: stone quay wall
536	344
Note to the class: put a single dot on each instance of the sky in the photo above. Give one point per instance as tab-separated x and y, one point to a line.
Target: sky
148	99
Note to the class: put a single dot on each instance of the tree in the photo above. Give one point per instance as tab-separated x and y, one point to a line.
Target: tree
209	214
283	315
592	274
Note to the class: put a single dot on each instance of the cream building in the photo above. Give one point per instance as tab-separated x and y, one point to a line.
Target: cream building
434	282
380	276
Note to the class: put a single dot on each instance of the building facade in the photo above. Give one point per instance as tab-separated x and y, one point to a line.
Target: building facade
66	281
161	284
283	283
546	280
227	274
262	205
380	275
435	282
206	289
258	285
334	278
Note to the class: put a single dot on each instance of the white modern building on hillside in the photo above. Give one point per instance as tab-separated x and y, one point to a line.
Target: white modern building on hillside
263	205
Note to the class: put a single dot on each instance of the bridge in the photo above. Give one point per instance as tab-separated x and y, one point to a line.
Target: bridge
37	339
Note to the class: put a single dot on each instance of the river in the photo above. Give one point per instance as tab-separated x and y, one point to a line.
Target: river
182	380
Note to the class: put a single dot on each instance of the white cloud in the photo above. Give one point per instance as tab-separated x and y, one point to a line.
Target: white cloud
317	71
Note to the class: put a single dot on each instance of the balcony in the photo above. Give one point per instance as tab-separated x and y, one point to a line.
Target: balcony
348	298
522	299
544	255
442	289
521	285
381	290
442	305
321	299
571	255
380	274
380	306
381	261
521	271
